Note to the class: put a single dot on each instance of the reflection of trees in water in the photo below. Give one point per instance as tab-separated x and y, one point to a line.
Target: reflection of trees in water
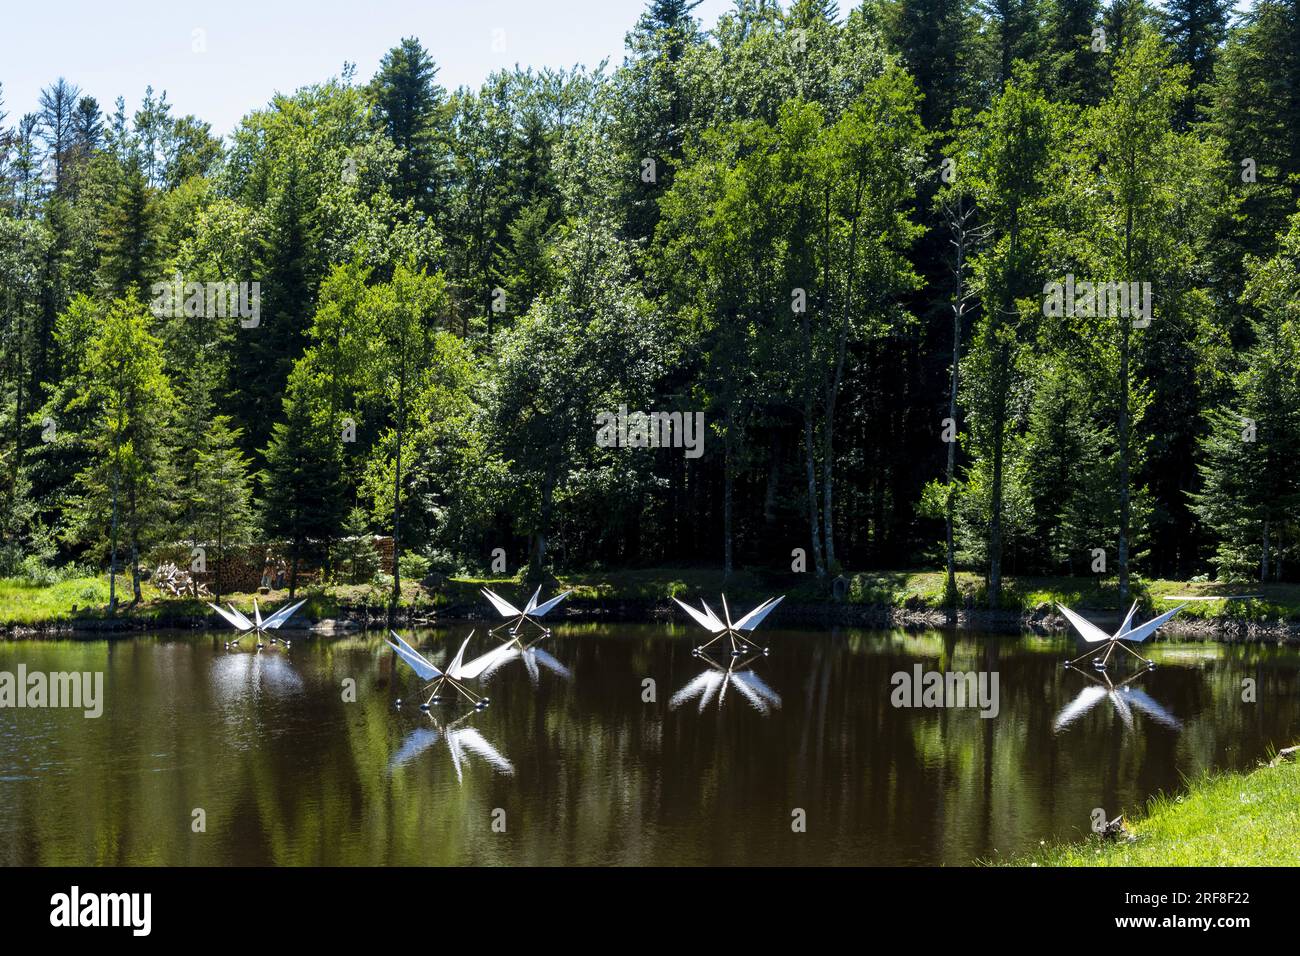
298	776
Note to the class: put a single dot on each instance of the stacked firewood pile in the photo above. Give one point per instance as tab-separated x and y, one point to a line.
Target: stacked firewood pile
244	567
171	580
384	548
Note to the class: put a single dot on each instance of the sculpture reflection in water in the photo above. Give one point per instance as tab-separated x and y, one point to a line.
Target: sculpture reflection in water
734	674
241	676
462	742
1122	696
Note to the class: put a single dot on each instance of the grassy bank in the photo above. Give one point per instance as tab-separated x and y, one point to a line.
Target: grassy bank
86	598
920	590
1228	819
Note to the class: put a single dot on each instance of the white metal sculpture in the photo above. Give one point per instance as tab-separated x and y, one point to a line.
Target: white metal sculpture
724	628
460	741
1124	699
736	674
529	615
453	674
258	625
1121	638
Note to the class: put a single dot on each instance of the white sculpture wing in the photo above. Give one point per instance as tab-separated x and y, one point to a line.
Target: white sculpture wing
283	615
229	618
414	658
504	607
706	621
244	623
532	601
257	613
1091	632
1128	620
486	663
1143	631
717	624
755	617
454	668
541	609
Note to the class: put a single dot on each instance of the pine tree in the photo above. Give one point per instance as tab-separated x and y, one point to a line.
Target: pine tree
301	486
58	119
1251	491
657	102
1196	29
1255	108
130	254
125	489
1075	68
222	495
410	107
934	38
1018	33
356	550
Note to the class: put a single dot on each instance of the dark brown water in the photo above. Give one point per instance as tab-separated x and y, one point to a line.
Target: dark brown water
582	770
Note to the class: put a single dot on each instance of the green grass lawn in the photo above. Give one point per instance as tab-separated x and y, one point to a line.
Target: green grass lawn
22	603
1223	820
86	598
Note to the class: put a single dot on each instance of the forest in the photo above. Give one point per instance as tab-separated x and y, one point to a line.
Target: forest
1008	286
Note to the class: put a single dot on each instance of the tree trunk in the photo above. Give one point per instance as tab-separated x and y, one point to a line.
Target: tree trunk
397	523
828	489
117	482
537	558
1263	561
832	388
957	220
726	500
773	471
1124	320
950	473
810	468
221	553
1006	308
136	596
995	516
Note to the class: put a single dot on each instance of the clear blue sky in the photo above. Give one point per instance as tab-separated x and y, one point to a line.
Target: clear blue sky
255	48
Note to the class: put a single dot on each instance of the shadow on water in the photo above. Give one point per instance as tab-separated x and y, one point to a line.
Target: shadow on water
614	744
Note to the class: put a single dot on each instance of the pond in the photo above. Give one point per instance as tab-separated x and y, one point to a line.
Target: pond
614	745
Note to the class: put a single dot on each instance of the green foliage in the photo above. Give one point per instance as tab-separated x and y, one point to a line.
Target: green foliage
222	494
453	285
355	556
124	492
